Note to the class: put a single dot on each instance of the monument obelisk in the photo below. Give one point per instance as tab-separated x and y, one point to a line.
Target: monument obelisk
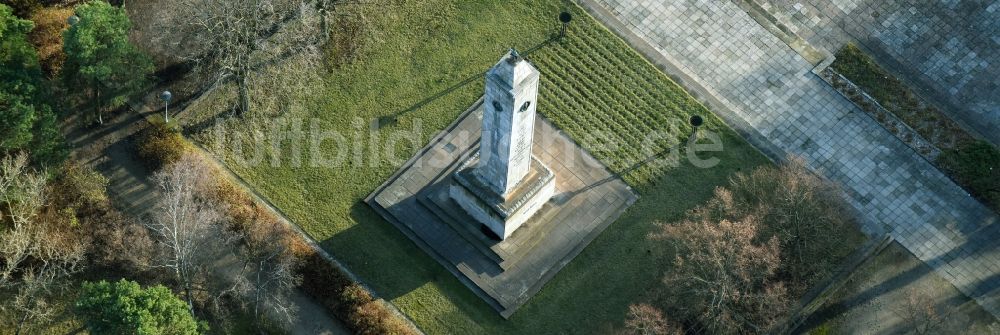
508	122
503	186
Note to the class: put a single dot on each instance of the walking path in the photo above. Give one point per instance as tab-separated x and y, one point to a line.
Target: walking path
766	90
109	152
948	49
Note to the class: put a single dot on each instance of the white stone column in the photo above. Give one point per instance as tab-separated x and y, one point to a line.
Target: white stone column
508	123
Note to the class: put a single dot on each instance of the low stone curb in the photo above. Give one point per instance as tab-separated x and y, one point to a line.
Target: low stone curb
889	121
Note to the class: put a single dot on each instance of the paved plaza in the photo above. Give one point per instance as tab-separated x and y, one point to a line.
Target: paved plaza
762	83
503	273
949	49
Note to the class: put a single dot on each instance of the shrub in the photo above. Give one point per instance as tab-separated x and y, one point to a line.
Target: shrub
160	145
24	8
765	238
81	187
322	281
47	37
349	301
809	216
644	319
723	278
372	318
805	212
976	165
243	211
864	72
120	245
126	308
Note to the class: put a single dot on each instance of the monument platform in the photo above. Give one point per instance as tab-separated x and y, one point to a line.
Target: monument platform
500	214
504	273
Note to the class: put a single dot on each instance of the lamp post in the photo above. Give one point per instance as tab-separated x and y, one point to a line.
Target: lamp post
165	96
565	18
696	121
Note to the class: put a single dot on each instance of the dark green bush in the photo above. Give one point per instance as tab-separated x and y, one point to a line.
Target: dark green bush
24	8
160	145
124	307
976	165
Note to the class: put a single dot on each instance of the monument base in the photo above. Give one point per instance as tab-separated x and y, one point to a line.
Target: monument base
502	215
505	273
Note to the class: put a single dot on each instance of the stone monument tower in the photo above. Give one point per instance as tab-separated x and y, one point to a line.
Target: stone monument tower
504	185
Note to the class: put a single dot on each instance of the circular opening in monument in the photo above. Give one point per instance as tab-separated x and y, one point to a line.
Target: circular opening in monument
696	120
565	17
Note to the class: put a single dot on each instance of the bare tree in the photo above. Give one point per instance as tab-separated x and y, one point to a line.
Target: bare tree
268	274
187	224
808	214
242	37
722	277
920	312
203	253
30	302
644	319
35	251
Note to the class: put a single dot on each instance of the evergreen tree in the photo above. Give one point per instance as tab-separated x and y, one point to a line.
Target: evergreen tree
100	58
124	307
25	119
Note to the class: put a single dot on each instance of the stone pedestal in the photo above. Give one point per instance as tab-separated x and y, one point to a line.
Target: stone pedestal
504	273
485	214
502	215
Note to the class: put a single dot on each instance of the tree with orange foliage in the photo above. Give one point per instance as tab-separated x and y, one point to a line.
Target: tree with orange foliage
723	278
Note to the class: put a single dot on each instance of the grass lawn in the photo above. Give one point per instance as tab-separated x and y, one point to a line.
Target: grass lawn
591	82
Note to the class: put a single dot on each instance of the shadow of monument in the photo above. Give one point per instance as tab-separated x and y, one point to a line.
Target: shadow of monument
414	269
391	119
407	268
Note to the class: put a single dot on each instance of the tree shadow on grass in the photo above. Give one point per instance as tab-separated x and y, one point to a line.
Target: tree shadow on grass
394	266
391	119
835	309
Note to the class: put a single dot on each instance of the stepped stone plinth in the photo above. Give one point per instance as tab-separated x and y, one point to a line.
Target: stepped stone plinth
506	211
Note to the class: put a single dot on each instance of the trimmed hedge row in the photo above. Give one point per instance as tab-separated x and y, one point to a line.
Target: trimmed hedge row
974	164
348	300
160	145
